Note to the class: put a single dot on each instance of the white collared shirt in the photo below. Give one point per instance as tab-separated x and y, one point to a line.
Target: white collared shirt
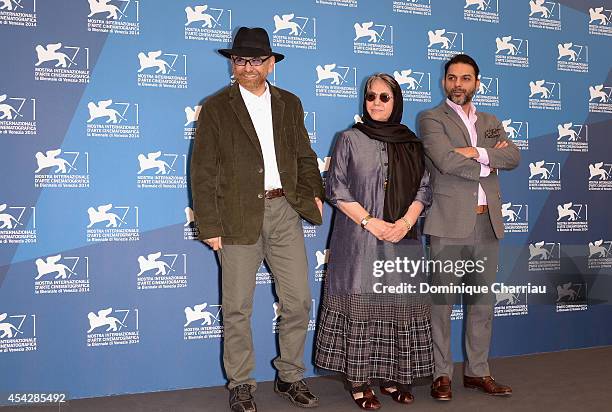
260	110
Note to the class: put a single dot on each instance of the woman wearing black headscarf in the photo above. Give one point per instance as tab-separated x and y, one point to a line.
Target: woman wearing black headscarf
378	181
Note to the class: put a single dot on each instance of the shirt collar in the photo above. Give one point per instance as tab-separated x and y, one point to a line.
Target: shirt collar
250	98
459	109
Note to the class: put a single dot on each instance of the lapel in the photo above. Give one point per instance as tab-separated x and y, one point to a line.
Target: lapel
243	116
278	113
450	113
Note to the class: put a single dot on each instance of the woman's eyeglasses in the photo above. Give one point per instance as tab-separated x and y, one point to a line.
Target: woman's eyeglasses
255	61
384	97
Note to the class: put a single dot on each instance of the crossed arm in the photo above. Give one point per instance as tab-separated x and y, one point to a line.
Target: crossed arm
462	161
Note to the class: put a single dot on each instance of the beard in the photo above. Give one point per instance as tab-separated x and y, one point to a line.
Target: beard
460	99
250	81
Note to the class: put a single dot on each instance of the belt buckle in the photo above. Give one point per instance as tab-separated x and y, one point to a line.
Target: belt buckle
273	193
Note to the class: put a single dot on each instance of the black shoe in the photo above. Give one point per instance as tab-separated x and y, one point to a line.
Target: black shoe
297	393
241	399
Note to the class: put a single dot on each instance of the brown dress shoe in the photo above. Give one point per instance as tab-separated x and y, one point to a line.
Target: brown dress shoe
441	389
487	384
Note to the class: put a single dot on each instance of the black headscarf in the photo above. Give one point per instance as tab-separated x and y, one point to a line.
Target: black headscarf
405	152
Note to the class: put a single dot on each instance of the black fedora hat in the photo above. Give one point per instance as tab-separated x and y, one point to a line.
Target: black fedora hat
251	42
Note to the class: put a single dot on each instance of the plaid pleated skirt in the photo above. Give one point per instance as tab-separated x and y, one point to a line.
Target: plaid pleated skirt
372	336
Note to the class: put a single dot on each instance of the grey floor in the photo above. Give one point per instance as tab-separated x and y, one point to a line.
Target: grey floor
576	380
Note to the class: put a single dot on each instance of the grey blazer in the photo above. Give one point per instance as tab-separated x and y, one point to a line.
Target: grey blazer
455	178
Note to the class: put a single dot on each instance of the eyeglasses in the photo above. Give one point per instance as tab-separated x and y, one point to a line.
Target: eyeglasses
255	61
384	97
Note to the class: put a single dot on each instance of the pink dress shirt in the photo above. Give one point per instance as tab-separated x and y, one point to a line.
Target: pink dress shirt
470	124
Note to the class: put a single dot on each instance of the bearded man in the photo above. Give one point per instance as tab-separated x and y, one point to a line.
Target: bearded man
464	149
254	177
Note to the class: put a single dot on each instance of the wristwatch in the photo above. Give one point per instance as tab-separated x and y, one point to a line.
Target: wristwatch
365	221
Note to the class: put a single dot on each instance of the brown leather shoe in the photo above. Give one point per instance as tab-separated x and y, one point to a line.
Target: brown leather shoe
441	389
487	384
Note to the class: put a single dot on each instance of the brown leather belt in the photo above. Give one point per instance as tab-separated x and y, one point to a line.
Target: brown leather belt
274	193
480	209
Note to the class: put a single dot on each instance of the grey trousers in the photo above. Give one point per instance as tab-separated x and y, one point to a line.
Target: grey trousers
281	244
481	245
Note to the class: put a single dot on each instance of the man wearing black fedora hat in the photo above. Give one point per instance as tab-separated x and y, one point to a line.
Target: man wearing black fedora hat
254	177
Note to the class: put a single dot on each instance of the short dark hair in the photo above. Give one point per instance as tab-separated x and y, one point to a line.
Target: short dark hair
462	58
